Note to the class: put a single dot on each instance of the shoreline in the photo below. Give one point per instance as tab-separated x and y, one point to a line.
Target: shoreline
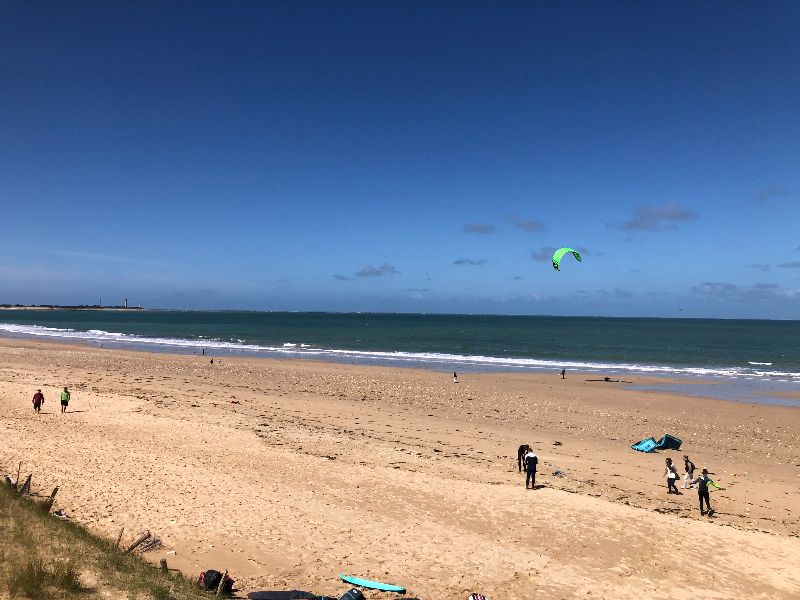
290	471
741	388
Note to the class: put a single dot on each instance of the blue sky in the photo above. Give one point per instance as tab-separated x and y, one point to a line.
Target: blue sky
403	156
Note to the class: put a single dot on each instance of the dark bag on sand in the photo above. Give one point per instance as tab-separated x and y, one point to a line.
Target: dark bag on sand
353	594
209	582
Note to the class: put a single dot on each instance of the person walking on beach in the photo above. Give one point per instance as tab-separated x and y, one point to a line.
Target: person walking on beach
702	491
531	460
671	473
455	377
38	400
563	373
64	400
688	475
521	452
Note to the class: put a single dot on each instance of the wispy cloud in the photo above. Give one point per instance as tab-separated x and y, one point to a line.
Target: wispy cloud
516	277
731	292
795	264
340	277
93	256
771	192
658	217
529	225
636	270
759	267
418	290
470	262
479	228
384	269
545	253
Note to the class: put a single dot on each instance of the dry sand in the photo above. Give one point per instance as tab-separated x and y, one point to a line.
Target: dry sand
288	473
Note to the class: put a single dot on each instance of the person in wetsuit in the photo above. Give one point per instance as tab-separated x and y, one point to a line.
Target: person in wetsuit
702	491
531	461
38	400
521	452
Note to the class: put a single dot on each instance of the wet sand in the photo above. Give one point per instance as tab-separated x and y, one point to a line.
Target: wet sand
290	472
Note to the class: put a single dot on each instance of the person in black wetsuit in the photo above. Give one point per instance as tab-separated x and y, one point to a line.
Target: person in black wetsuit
38	400
521	452
702	491
531	461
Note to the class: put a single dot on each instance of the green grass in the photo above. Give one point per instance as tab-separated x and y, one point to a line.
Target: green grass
42	557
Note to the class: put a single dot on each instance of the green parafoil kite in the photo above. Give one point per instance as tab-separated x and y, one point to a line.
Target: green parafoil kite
559	254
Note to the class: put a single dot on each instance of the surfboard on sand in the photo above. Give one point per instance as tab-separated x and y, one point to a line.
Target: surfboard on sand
374	585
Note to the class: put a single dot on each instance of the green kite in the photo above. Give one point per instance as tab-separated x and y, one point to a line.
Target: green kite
559	254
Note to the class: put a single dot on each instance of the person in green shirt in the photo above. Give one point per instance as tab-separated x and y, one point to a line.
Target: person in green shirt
64	399
702	491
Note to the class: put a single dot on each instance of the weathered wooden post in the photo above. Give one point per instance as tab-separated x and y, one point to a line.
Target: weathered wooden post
119	537
222	583
26	487
163	564
138	541
48	504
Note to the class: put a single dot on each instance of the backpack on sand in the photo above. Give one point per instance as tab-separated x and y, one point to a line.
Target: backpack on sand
209	582
353	594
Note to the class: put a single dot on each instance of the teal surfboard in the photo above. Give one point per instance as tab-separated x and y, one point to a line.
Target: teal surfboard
373	585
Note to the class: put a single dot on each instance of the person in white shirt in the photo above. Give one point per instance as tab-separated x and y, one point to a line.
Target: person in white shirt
671	473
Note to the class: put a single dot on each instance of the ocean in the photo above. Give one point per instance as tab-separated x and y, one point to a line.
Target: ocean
750	349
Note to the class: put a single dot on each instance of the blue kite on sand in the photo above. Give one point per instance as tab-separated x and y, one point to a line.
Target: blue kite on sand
667	442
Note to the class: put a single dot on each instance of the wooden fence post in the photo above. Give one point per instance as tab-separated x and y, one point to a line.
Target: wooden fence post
26	487
48	504
138	541
222	583
119	537
16	481
163	564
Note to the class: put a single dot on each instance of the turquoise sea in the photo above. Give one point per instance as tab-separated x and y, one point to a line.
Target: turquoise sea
761	351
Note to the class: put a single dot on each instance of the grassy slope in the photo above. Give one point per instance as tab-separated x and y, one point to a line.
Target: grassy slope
44	557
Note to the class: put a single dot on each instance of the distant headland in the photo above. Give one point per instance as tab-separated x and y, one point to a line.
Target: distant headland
67	307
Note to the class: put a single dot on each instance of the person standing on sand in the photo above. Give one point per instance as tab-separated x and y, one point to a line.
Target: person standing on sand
38	400
531	461
455	377
702	491
671	473
563	373
64	400
688	475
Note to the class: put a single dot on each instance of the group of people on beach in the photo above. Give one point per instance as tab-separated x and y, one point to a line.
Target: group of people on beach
528	461
689	481
38	400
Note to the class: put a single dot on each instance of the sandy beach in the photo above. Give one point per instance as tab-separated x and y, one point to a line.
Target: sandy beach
287	473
